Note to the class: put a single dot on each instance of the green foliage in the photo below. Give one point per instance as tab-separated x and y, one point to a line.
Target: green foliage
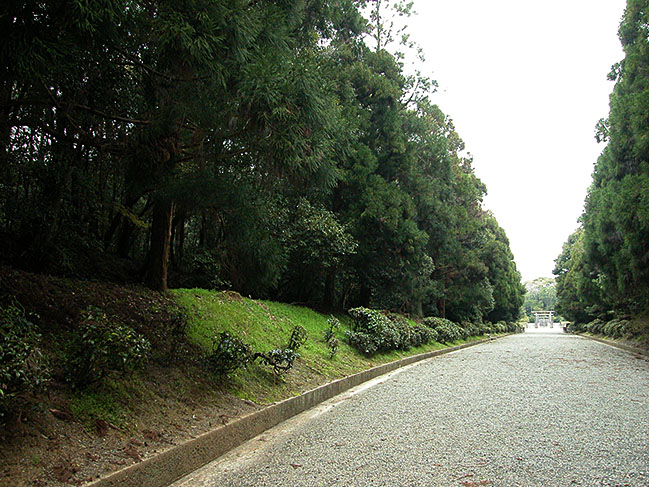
578	294
332	345
22	366
471	329
618	328
541	295
446	330
228	355
330	335
421	335
289	160
100	347
298	337
374	331
602	272
281	359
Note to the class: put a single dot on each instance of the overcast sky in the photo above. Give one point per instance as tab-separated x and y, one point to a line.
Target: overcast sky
525	83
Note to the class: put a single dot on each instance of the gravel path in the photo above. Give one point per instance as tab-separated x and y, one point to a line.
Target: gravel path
536	409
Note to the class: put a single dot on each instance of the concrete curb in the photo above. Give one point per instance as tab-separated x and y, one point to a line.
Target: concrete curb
637	350
167	467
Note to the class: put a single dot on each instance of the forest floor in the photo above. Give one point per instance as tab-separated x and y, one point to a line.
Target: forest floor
65	436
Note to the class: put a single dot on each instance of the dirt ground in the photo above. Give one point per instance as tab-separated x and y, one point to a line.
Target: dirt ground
45	446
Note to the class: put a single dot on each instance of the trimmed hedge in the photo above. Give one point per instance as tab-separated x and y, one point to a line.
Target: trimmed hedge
447	331
374	331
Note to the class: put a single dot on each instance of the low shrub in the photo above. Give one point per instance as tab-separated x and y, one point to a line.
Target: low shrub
403	331
596	327
22	366
500	327
447	331
298	337
576	327
422	335
374	331
282	359
332	345
616	328
228	354
471	329
330	336
334	324
363	342
100	347
517	327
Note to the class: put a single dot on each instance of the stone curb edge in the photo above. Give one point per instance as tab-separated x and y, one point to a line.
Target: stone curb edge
166	467
628	348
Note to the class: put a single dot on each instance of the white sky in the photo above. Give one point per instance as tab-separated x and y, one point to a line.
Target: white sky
525	83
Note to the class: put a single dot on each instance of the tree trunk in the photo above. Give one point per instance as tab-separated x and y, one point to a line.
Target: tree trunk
158	262
330	288
441	308
178	237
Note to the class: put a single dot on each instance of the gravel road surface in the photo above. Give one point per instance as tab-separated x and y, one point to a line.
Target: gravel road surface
536	409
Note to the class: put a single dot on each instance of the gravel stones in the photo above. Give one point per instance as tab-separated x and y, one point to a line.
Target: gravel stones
536	409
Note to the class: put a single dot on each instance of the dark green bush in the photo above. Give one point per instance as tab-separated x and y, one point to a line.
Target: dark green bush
282	359
500	327
298	337
447	331
470	329
330	336
596	327
421	335
374	331
616	328
363	342
228	354
434	336
404	332
100	347
22	366
332	345
330	332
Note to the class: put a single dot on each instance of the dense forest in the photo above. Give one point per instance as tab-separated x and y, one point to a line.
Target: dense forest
278	148
541	295
603	272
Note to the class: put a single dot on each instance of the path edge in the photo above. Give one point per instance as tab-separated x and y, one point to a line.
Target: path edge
170	465
622	346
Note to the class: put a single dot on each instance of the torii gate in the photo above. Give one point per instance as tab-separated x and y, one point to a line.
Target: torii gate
543	318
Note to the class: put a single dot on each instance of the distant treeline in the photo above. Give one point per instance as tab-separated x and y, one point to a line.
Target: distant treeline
272	147
603	271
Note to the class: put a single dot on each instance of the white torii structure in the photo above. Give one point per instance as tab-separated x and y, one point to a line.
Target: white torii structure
543	318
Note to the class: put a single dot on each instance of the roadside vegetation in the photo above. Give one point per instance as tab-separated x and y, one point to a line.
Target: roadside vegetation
603	269
93	366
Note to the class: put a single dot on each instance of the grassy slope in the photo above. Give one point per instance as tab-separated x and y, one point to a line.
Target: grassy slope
63	436
266	325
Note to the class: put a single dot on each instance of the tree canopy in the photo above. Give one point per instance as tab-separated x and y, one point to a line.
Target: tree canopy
604	267
261	146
